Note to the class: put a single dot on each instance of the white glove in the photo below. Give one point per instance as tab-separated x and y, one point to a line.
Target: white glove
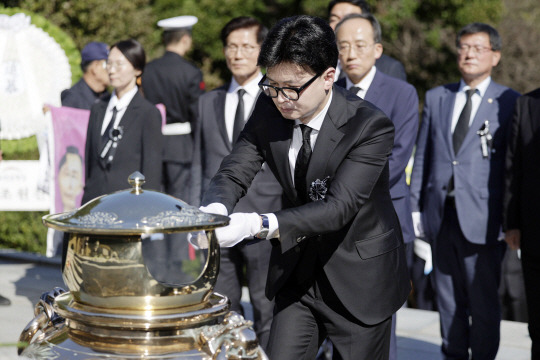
198	239
215	208
241	226
423	250
417	225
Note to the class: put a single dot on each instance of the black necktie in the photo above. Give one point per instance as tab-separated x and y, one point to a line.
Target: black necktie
302	161
462	125
105	135
239	117
355	90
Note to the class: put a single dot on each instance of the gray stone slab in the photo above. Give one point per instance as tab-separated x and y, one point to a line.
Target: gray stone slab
24	277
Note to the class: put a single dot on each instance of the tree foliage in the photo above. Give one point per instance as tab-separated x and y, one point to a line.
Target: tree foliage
421	34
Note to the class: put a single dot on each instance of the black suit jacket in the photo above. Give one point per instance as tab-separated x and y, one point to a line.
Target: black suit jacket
522	193
80	96
176	83
354	232
139	149
212	145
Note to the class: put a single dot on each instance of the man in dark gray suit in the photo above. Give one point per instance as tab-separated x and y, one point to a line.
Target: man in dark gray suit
222	115
457	192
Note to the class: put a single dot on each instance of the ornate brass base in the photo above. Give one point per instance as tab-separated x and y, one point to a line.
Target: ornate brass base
203	331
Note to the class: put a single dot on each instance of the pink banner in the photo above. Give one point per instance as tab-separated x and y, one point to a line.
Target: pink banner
69	138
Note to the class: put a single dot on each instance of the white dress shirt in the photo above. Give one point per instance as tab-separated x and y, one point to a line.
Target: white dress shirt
461	99
231	101
121	106
364	84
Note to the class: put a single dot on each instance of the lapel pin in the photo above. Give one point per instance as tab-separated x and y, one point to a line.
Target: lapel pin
490	100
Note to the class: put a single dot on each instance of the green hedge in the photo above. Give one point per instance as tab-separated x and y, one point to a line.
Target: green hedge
23	230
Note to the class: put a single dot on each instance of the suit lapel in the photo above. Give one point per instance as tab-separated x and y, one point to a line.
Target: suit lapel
486	111
219	106
375	90
328	138
280	152
446	110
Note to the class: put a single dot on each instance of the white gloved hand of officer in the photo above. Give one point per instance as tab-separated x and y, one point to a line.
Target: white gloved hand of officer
241	226
417	225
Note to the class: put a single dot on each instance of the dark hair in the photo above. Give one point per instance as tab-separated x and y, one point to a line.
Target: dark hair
377	33
175	35
133	51
475	28
306	41
85	65
69	150
244	22
360	3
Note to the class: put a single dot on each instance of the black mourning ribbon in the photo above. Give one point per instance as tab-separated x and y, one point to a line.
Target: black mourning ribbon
109	140
302	162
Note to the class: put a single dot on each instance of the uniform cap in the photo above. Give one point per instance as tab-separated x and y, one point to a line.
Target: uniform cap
94	51
178	22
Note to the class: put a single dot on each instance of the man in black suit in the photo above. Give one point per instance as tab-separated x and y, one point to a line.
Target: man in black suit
337	266
222	115
337	10
521	203
176	83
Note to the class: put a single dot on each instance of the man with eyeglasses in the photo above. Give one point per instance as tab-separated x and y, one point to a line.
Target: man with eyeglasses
359	43
223	113
337	264
93	85
337	10
457	189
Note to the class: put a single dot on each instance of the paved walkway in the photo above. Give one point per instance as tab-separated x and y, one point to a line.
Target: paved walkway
24	277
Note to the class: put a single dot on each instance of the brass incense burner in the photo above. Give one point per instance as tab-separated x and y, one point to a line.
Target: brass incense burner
115	308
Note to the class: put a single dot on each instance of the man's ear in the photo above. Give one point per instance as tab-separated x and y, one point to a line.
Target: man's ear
328	77
378	48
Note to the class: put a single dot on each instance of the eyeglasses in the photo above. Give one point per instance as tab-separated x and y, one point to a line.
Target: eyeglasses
477	49
245	49
291	93
361	49
117	65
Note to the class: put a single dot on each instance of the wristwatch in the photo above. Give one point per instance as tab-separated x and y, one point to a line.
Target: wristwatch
263	232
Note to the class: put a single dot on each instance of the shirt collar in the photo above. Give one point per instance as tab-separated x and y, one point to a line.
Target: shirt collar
252	87
365	83
122	103
316	122
481	88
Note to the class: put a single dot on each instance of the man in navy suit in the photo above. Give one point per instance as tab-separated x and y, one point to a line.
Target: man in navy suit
337	10
215	135
457	191
359	42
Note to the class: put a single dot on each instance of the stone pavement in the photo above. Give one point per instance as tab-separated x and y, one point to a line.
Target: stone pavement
24	277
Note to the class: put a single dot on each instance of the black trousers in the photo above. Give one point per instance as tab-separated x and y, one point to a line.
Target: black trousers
530	260
305	315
